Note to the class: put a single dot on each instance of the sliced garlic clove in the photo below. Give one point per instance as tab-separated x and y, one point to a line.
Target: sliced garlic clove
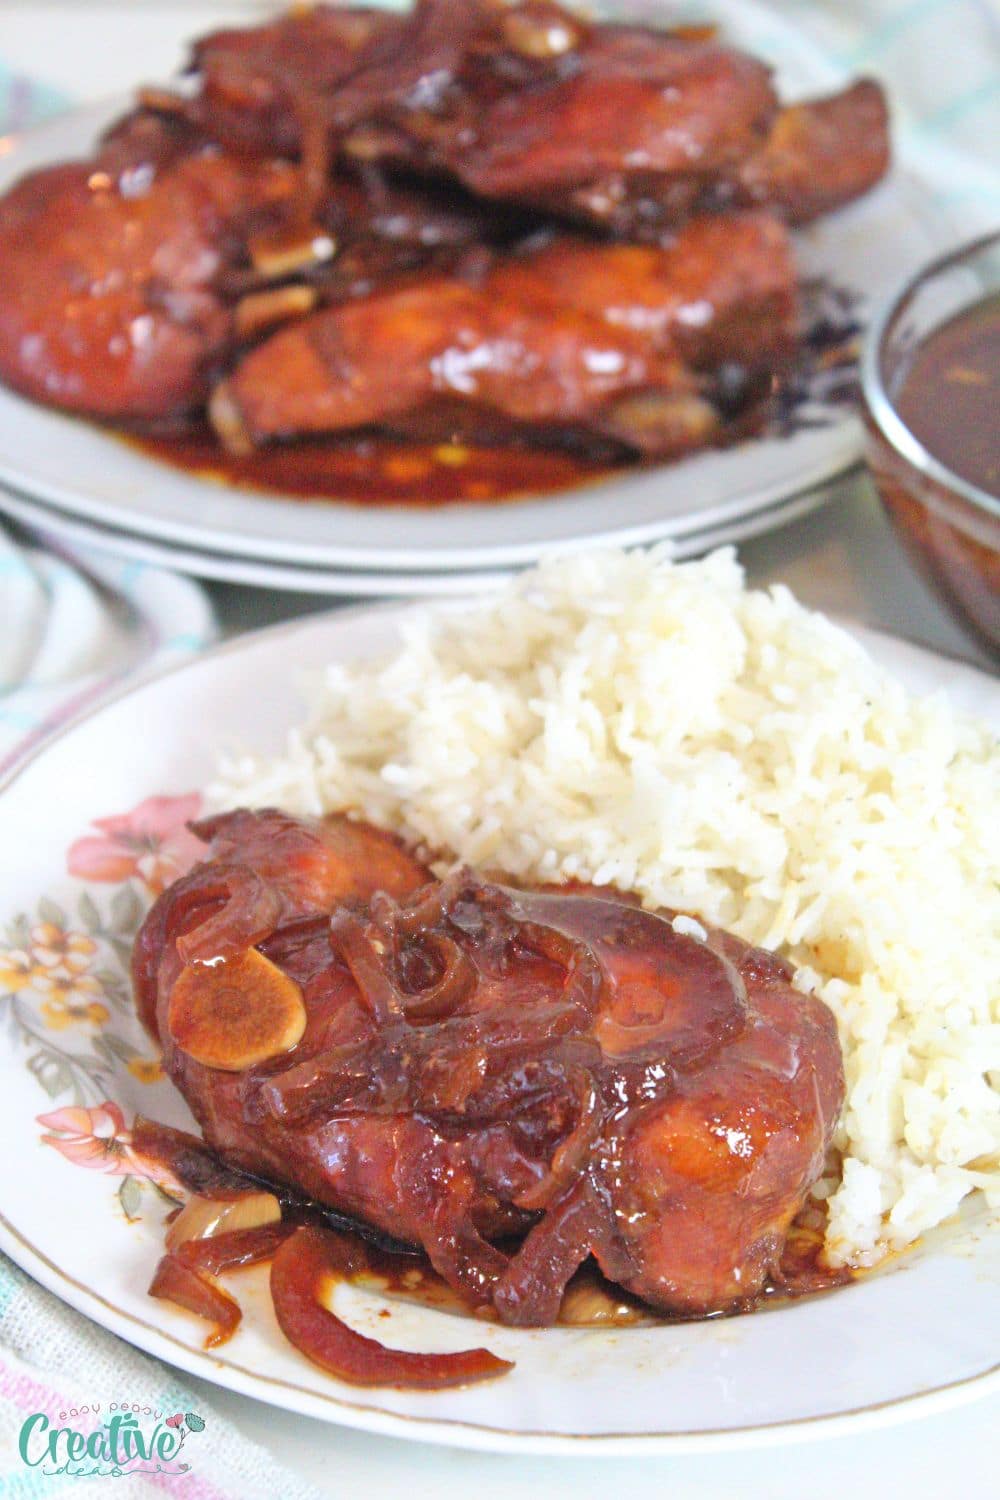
277	256
227	421
258	311
236	1012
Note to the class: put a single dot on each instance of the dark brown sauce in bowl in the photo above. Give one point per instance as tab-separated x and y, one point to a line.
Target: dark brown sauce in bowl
930	381
949	397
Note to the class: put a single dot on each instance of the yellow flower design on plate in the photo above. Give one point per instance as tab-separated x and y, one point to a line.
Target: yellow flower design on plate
146	1069
16	970
58	1014
68	998
54	947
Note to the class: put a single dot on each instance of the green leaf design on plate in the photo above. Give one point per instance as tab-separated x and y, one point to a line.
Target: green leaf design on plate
130	1197
114	987
195	1423
126	911
118	1047
122	949
52	1071
89	915
50	911
17	933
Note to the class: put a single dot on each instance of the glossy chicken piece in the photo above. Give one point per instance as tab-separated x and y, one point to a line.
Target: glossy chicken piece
719	292
381	360
480	1062
652	347
628	128
266	868
125	277
263	87
109	305
515	120
524	103
820	154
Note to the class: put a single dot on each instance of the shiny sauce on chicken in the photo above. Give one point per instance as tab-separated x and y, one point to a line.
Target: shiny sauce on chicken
401	1273
518	1083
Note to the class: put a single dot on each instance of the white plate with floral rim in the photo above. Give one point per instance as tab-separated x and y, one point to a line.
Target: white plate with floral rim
92	827
861	251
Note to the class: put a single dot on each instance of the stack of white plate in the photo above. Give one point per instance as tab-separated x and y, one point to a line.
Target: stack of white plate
71	480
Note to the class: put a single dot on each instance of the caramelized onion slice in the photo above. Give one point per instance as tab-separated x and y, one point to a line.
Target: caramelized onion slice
299	1271
189	1160
203	1218
236	909
236	1012
184	1275
236	1247
183	1285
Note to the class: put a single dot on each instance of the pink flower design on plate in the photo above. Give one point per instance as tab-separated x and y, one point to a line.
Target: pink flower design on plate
97	1139
152	842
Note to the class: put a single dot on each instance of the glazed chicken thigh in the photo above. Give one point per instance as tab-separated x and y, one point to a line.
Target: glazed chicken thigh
651	347
483	221
624	127
109	302
511	1080
131	279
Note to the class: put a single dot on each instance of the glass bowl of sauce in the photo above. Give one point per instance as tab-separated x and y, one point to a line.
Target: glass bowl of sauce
930	376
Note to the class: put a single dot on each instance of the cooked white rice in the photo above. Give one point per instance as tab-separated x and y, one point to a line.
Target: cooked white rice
622	719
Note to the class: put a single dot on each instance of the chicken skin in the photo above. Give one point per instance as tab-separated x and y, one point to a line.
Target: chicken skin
108	304
651	347
475	220
623	127
511	1080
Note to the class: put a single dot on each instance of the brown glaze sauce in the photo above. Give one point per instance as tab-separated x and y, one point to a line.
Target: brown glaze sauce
382	469
376	470
590	1299
395	1272
949	396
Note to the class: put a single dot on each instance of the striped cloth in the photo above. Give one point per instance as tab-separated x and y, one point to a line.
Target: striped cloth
941	59
53	1360
75	625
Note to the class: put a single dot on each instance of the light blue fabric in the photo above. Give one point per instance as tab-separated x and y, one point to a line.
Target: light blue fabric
75	624
24	101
